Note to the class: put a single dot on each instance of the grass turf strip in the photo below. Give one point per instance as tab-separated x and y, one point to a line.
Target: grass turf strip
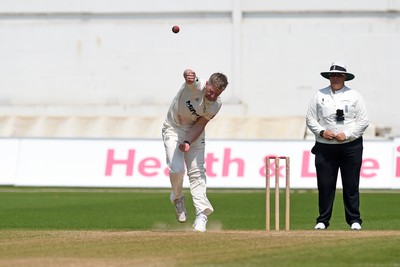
138	210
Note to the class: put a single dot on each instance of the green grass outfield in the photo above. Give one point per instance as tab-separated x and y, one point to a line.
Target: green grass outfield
137	227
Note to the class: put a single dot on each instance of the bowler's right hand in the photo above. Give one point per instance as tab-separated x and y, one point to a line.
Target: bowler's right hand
184	147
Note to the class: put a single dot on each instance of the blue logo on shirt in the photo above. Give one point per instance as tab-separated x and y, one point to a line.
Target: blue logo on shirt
191	108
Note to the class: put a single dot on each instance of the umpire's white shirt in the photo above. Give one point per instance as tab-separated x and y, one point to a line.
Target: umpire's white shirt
321	114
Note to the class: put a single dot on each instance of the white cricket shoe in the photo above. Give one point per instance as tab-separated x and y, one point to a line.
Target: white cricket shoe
320	226
200	223
355	226
181	214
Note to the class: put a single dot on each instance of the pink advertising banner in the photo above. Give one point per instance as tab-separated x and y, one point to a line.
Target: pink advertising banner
141	163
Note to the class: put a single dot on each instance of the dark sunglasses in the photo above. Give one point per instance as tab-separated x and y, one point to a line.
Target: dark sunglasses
336	75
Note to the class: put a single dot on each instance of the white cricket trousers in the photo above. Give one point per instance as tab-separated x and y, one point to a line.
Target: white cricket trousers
196	171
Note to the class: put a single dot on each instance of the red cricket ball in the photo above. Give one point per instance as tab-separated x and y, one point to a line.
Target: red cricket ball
175	29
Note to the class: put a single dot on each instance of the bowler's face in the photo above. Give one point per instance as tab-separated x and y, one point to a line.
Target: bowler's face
212	93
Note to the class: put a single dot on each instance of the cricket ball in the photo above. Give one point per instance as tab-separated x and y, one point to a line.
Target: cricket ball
175	29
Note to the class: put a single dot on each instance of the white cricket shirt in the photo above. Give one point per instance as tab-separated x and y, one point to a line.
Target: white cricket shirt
190	104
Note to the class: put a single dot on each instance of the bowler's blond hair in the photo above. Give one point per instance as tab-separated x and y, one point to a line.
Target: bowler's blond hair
219	81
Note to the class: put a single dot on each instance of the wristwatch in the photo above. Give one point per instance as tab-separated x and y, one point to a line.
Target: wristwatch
321	133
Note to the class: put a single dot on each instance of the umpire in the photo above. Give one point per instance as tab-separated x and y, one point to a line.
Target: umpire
337	115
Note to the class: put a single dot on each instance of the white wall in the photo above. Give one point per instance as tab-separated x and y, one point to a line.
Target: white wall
120	57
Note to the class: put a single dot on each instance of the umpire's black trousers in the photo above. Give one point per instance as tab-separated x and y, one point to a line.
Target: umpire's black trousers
329	158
